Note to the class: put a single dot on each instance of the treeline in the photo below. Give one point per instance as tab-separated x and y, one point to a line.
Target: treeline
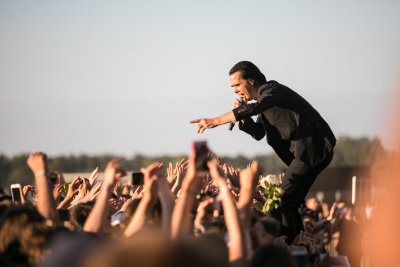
348	152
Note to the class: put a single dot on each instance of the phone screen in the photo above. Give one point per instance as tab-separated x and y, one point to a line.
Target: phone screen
137	178
15	193
201	155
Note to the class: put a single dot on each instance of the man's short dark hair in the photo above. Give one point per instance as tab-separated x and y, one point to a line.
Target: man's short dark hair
249	71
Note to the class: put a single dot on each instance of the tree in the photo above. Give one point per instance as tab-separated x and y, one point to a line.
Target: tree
5	168
356	151
348	152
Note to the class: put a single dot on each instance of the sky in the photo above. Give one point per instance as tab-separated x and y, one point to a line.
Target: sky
126	77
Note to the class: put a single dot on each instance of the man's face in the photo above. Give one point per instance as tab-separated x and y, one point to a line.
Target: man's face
243	88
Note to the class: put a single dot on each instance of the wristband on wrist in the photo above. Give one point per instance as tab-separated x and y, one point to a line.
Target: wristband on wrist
40	173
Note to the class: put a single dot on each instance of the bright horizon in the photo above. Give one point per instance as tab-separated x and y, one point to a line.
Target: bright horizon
126	78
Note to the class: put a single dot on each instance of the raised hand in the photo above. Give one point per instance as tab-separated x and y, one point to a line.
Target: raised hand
26	189
57	190
216	173
250	175
37	162
171	173
112	172
24	192
151	174
97	218
84	188
73	188
94	192
233	174
180	173
248	182
93	176
137	192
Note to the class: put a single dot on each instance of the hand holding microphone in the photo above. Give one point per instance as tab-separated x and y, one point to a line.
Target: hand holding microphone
236	103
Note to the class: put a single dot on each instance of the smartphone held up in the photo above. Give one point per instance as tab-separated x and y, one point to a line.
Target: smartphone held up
203	154
16	193
137	178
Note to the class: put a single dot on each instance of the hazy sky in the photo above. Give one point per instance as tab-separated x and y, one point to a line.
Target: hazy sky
126	77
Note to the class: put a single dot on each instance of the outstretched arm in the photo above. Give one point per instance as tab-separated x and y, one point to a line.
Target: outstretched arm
205	123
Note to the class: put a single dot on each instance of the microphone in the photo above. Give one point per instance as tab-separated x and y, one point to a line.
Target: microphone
232	124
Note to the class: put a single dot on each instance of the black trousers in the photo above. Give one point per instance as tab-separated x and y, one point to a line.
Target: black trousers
298	180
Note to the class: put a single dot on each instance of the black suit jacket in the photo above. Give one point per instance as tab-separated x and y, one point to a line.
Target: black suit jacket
293	128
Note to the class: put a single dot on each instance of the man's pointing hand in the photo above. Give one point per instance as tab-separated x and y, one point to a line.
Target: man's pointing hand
203	124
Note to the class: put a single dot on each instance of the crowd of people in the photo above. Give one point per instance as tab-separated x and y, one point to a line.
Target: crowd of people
183	214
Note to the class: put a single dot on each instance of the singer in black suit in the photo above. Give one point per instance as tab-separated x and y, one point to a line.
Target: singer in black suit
293	128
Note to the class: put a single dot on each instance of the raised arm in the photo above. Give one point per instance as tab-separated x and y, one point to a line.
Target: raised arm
93	176
237	252
72	191
98	216
46	204
167	200
151	174
248	182
181	221
180	172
